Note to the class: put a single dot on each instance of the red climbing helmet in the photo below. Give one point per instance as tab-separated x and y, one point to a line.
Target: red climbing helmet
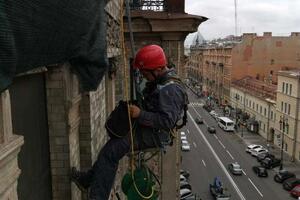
150	57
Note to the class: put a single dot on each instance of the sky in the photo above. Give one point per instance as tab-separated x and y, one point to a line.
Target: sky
281	17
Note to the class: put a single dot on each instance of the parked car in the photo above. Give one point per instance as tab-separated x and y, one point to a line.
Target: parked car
184	193
282	175
260	171
199	120
295	192
290	183
185	185
185	173
256	151
185	146
183	137
252	146
270	162
262	156
182	178
182	133
235	168
211	129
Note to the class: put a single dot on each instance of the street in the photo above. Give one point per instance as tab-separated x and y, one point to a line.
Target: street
210	155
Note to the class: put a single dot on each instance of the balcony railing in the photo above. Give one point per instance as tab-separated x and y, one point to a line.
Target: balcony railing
155	5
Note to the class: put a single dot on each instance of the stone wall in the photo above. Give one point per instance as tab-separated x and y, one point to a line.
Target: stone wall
63	100
10	145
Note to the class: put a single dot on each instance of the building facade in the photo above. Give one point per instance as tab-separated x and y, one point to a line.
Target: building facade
254	103
261	57
288	102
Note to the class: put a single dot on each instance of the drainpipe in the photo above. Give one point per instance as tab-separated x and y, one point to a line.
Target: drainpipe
296	119
268	123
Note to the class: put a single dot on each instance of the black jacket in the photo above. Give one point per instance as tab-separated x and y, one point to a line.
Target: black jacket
164	102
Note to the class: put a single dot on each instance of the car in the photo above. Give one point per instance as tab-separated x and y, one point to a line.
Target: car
262	156
185	184
260	171
256	151
290	183
183	137
211	129
295	192
199	120
212	113
185	146
182	178
235	168
185	173
184	193
253	146
270	162
282	175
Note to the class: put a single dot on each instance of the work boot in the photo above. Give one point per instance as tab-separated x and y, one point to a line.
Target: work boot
77	177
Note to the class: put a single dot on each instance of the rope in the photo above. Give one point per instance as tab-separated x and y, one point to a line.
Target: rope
127	99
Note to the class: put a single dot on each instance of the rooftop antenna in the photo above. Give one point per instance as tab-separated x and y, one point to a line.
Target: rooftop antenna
235	16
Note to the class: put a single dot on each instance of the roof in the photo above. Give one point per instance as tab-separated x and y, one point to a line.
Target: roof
225	119
257	88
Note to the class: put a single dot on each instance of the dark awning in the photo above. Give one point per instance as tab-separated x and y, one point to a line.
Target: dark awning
36	33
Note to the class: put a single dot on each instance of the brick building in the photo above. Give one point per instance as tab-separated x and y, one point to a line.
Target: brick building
251	55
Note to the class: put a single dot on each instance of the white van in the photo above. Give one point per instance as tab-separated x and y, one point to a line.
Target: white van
226	124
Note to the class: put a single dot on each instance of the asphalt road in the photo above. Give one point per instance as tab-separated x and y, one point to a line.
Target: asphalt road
210	155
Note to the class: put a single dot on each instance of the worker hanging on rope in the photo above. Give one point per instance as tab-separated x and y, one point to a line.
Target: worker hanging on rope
164	106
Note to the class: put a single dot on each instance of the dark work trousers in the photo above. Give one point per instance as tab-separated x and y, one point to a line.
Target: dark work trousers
100	177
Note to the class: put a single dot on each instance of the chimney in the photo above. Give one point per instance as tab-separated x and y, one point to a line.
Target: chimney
267	34
249	35
295	34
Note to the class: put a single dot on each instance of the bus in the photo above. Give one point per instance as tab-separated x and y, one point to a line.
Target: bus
226	124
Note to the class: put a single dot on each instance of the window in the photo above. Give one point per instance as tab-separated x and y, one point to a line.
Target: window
290	89
289	109
265	112
281	106
286	88
260	109
271	114
275	116
250	103
285	146
257	107
283	87
285	107
280	126
264	127
253	104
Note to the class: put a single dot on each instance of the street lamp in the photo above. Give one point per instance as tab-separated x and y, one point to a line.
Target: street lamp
284	124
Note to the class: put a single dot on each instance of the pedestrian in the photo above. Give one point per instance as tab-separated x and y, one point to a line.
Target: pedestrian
165	103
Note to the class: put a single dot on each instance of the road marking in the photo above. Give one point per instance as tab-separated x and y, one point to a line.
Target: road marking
204	122
230	155
203	163
194	144
244	172
255	188
216	137
218	160
221	144
188	131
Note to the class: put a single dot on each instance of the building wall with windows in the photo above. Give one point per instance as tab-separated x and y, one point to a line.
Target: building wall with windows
263	110
288	102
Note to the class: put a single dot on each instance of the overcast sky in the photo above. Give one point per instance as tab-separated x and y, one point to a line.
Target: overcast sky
278	16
